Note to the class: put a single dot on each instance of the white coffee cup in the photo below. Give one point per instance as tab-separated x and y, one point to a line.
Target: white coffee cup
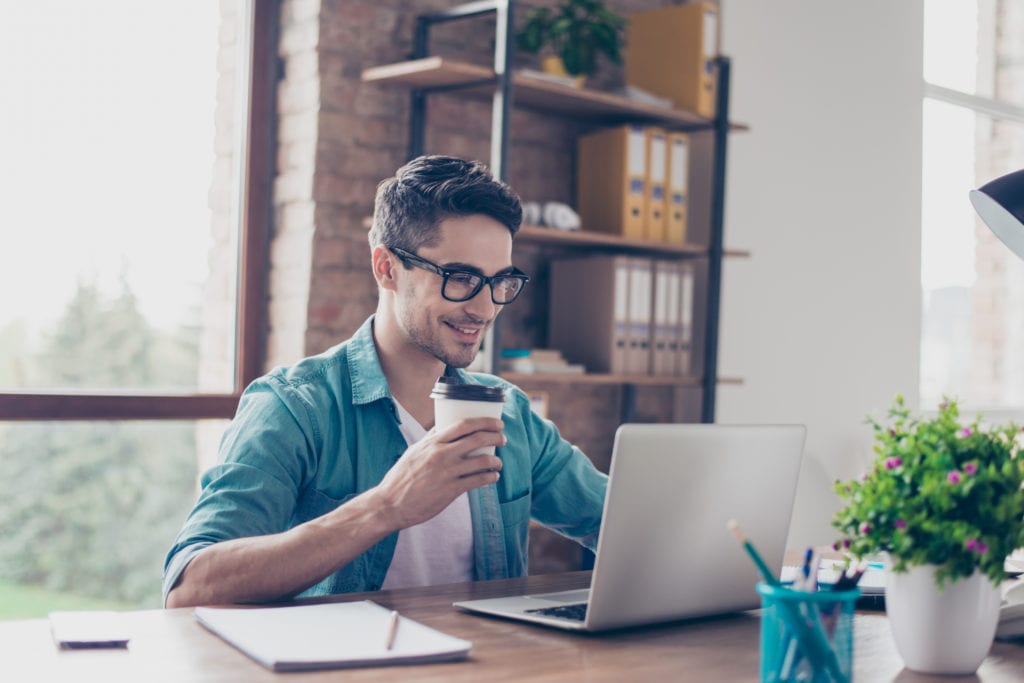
454	402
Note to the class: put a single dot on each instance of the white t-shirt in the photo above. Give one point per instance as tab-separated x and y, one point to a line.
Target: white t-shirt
439	550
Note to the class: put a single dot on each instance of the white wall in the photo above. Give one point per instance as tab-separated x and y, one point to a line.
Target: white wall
823	321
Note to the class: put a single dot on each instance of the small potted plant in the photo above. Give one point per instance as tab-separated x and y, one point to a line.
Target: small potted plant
944	500
574	33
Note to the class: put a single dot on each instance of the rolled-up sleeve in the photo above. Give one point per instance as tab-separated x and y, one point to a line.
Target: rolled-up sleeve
266	456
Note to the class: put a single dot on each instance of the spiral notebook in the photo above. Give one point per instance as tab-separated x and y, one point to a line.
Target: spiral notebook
330	636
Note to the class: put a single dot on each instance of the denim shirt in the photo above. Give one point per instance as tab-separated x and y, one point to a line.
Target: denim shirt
308	438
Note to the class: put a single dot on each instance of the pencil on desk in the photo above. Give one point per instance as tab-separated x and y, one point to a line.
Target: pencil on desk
392	630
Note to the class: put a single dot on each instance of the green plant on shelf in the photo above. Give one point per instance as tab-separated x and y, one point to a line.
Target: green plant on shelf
576	31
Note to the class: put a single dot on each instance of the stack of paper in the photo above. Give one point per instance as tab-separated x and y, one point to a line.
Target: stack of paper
329	636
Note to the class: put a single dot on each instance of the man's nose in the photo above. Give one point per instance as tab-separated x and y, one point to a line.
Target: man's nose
482	306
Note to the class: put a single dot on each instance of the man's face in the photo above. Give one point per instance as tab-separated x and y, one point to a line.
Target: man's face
447	330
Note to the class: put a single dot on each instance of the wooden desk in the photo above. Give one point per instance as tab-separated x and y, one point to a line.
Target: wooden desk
170	645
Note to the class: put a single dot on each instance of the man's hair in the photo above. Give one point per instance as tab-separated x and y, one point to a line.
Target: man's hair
409	208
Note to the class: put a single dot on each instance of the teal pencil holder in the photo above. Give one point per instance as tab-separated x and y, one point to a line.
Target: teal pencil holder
806	636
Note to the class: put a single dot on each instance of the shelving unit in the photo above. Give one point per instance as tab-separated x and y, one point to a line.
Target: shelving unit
424	74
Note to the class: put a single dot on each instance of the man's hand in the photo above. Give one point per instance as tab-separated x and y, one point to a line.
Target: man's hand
438	469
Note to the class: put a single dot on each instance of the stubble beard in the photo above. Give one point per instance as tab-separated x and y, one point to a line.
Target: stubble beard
423	337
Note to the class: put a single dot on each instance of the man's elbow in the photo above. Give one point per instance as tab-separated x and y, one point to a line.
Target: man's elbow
180	596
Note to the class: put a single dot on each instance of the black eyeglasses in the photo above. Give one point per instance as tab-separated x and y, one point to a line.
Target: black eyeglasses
463	285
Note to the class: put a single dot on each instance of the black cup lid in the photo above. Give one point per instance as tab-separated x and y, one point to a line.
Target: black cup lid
449	387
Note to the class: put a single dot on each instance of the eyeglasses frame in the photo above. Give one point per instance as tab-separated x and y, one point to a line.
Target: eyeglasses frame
409	258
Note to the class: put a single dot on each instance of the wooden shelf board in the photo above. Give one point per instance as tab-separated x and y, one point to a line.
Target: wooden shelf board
596	378
429	72
538	234
438	72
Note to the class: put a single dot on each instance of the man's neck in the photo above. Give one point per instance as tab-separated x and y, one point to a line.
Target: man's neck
410	372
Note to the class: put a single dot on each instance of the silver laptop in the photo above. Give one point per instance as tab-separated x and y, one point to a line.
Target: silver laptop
664	552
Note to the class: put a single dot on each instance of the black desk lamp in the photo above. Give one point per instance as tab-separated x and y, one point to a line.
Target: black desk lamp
1000	203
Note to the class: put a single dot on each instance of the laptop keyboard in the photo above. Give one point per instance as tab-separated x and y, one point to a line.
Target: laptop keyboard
577	612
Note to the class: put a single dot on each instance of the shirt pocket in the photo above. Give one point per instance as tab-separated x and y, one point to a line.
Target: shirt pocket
313	503
515	521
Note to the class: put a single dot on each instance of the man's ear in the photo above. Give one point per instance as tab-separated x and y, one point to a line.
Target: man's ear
384	267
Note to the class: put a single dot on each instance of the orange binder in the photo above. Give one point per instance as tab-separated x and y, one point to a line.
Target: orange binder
676	194
670	52
611	177
654	196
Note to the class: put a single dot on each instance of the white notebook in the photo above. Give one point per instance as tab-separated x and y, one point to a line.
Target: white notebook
335	635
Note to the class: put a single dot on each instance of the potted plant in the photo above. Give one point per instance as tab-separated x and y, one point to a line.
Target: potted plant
575	32
944	500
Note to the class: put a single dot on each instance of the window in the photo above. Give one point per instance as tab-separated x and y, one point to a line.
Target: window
137	158
973	123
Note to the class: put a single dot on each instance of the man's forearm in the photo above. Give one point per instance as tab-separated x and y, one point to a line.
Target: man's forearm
276	566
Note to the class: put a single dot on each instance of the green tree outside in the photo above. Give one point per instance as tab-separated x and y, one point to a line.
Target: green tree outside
88	509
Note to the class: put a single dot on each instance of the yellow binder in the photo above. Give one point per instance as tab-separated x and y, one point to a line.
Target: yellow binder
611	177
670	52
677	180
654	197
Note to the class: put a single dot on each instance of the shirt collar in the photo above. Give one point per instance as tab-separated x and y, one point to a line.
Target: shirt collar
368	381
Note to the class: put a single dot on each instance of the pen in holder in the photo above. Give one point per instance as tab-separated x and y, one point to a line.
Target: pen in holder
806	636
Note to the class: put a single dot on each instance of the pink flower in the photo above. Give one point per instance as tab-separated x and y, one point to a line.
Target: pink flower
900	524
965	432
865	528
953	477
893	463
971	467
943	405
846	543
976	545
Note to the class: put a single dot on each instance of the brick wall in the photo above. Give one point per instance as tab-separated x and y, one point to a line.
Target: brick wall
339	137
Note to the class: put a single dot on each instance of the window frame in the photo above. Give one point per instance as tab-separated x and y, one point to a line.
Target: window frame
255	217
997	110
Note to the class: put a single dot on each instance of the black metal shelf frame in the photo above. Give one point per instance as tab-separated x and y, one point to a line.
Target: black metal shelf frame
502	103
501	108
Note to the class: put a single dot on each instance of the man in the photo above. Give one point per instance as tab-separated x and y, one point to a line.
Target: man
331	478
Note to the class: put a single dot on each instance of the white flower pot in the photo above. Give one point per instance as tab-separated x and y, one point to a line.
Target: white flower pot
946	631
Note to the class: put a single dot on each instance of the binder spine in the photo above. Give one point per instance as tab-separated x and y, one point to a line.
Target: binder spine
654	204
